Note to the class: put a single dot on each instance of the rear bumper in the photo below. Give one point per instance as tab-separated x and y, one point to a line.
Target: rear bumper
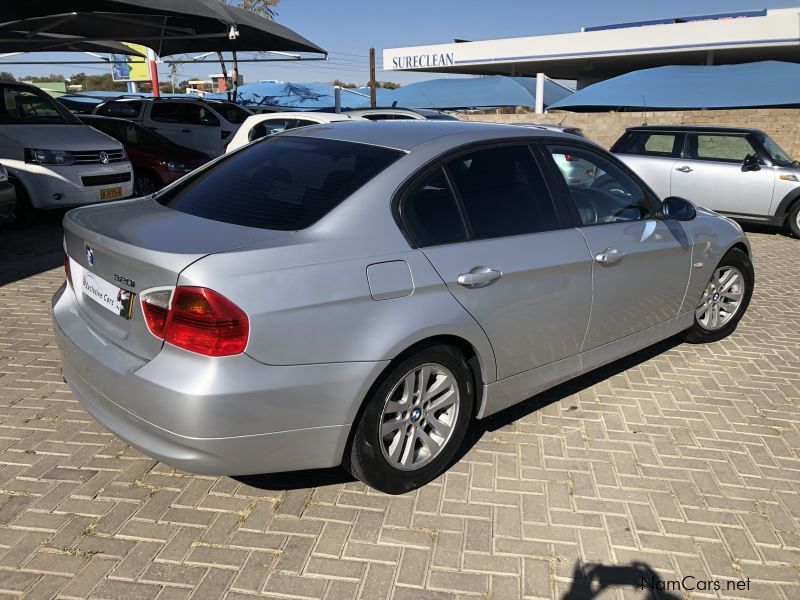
229	416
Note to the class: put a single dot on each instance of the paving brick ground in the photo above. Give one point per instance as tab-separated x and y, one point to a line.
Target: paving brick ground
680	461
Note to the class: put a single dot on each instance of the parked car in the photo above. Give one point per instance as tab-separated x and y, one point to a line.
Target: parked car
258	126
53	159
742	173
358	294
558	128
387	114
189	122
156	160
575	170
8	198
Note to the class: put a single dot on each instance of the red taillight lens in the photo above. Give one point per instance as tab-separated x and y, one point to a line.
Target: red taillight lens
570	158
66	267
197	319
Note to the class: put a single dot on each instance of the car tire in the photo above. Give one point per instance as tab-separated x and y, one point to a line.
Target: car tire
144	185
733	276
396	451
23	213
793	220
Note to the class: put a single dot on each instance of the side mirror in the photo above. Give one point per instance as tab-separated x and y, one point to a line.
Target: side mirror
3	174
678	209
751	163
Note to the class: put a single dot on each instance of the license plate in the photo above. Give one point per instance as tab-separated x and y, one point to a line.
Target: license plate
111	193
107	295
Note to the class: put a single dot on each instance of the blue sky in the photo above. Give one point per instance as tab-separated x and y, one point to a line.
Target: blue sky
347	29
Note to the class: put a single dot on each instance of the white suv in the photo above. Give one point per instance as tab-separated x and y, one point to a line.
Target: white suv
52	158
190	122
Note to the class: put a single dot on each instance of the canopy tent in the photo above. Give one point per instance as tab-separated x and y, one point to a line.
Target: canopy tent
168	26
443	94
300	96
758	84
14	42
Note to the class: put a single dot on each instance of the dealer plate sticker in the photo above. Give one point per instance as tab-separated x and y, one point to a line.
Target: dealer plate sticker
107	295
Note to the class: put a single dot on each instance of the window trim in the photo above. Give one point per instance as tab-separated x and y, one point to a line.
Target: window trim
721	161
400	195
650	196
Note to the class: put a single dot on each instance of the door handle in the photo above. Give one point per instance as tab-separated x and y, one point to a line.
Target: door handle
609	256
685	169
186	131
478	277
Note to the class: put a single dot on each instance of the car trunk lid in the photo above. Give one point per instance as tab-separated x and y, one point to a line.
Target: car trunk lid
132	246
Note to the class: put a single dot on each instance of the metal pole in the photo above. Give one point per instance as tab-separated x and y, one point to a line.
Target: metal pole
373	101
224	75
337	99
151	62
235	76
539	93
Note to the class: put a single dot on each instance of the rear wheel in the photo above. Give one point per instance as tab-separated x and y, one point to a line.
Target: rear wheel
793	221
725	299
414	421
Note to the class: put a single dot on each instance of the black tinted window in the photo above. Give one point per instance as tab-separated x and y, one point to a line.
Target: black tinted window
503	192
283	183
430	212
128	109
602	191
653	144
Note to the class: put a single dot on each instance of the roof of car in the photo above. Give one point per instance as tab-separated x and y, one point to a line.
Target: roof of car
302	115
406	134
704	128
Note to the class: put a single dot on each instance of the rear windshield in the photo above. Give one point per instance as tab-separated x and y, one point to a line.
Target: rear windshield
282	182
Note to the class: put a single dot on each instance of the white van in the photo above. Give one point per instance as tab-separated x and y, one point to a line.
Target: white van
52	158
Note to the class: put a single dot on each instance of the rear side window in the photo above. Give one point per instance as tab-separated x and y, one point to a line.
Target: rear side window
127	110
653	144
503	192
430	212
268	127
284	183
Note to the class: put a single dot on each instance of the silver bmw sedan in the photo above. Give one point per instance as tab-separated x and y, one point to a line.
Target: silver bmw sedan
359	293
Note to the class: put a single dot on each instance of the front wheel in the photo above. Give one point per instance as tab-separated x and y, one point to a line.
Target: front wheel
414	421
725	299
794	220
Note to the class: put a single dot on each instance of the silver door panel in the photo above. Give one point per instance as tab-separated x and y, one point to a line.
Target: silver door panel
723	187
537	311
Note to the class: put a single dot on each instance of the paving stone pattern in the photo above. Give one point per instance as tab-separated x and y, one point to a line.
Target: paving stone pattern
680	461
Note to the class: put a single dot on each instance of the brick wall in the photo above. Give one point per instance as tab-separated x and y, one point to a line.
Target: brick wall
783	124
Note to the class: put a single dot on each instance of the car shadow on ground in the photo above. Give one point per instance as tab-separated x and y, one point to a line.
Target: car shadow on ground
590	580
33	249
320	477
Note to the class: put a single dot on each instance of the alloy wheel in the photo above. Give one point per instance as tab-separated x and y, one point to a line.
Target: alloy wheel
419	416
721	299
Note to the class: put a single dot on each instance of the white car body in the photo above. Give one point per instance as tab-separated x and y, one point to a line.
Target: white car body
100	170
188	122
258	126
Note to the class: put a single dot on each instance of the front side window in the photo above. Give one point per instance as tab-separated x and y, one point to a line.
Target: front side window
430	212
128	109
25	106
231	112
268	127
284	183
601	191
503	192
722	148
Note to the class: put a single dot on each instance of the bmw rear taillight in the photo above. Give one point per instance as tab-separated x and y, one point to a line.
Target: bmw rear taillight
196	319
66	265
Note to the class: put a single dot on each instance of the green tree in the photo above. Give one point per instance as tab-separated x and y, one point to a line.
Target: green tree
6	76
342	84
389	85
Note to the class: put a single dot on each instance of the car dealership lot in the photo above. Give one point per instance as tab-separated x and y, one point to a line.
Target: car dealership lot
680	461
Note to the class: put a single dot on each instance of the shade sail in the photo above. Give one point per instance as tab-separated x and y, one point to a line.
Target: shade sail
167	26
766	83
301	96
472	92
13	41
